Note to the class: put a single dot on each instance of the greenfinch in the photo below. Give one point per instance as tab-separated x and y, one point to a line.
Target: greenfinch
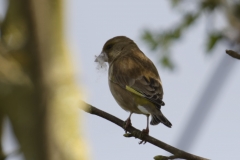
133	80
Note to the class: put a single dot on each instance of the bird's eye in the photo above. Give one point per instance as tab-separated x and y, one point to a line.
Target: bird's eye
109	46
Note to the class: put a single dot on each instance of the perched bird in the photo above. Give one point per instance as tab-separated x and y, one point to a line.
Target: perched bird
133	80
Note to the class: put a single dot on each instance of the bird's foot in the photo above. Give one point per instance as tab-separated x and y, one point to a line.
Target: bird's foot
143	133
127	124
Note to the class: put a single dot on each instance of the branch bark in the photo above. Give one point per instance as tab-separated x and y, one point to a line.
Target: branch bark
233	54
133	132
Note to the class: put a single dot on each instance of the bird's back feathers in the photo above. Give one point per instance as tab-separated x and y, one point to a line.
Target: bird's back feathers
139	74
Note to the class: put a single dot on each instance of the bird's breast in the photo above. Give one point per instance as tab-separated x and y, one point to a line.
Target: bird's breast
124	98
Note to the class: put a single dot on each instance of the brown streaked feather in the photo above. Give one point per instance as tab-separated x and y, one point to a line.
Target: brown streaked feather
138	72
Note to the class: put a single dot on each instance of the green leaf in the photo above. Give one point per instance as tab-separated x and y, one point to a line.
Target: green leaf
166	62
148	37
189	18
176	33
213	39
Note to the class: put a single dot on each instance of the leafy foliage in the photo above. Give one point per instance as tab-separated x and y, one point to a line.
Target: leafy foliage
162	41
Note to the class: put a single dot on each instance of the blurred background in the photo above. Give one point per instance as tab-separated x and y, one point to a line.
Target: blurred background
186	40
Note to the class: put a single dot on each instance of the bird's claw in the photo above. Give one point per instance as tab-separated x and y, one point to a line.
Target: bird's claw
142	134
142	142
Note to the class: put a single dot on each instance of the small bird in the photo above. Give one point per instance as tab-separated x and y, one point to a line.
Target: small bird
133	80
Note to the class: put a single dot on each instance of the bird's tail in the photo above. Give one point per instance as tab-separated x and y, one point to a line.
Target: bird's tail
159	117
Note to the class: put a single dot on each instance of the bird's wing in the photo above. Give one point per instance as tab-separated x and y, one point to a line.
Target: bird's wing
138	75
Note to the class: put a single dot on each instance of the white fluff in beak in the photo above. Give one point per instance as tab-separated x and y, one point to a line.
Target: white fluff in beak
101	61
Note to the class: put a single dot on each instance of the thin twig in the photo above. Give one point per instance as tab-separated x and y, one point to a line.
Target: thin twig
233	54
133	132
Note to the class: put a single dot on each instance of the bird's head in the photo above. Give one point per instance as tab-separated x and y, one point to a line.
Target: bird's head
113	48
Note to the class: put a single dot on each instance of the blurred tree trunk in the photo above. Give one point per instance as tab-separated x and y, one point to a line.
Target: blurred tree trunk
37	87
1	127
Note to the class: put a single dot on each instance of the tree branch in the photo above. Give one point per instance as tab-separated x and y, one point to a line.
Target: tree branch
233	54
133	132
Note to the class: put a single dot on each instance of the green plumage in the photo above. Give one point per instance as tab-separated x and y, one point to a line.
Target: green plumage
133	79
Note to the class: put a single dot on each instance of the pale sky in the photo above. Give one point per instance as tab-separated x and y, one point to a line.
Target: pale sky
89	24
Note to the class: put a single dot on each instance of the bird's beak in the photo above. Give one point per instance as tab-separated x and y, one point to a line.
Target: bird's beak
102	57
